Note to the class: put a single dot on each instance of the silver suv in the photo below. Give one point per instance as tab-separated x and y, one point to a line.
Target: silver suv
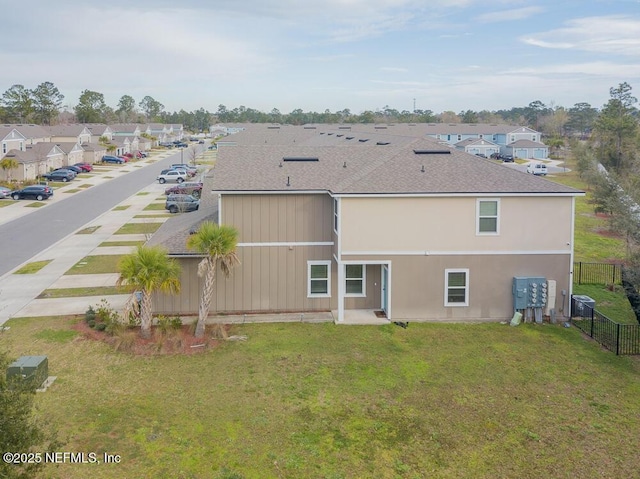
172	175
181	203
537	169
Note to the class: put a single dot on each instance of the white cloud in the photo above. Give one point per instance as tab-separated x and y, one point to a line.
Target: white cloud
509	15
612	34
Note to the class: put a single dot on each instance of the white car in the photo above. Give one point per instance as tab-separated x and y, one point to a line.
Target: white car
172	175
537	169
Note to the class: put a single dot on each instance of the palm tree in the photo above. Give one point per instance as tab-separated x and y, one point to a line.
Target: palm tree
8	164
219	244
148	270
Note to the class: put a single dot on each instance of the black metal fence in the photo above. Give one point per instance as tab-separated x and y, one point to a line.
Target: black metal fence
597	273
616	337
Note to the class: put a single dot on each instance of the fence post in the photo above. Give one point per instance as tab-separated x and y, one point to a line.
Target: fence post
613	279
583	306
617	339
580	272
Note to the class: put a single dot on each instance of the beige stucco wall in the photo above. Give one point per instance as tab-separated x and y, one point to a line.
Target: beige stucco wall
279	218
449	224
418	282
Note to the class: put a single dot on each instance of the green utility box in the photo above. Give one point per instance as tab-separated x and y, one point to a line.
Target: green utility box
33	369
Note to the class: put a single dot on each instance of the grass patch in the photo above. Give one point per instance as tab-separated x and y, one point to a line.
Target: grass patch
143	193
85	185
56	335
138	228
74	190
593	240
88	230
85	176
96	265
32	268
165	215
612	303
121	208
326	401
35	204
5	203
108	177
122	243
154	207
79	292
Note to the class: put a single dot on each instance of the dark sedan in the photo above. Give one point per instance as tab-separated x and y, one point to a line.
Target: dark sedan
60	175
112	159
34	192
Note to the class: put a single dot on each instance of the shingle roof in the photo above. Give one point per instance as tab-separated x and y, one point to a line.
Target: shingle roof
370	169
34	153
526	144
66	130
30	130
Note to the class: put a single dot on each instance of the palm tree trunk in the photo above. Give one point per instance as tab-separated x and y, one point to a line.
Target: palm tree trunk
145	315
207	295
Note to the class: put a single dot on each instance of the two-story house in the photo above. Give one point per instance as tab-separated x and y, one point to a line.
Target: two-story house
411	232
519	141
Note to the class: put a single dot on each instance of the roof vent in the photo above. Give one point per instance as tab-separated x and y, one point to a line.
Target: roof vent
309	127
349	137
380	127
339	136
382	143
300	158
329	134
432	152
362	140
344	128
322	132
273	128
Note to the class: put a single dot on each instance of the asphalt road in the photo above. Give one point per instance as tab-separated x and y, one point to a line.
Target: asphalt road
24	237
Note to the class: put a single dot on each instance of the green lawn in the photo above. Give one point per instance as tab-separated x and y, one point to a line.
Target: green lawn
138	228
33	267
613	303
325	401
122	243
88	230
5	203
79	292
593	240
155	206
96	265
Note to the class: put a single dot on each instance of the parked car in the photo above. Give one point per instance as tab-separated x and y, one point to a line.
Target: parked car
172	175
35	192
112	159
181	203
84	166
200	142
191	170
212	147
166	144
73	168
5	192
537	169
60	175
186	188
181	144
481	155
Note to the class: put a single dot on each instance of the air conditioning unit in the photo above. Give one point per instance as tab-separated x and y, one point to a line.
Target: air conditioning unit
583	305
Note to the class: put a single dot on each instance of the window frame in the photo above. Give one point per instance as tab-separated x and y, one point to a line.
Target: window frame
362	279
335	215
326	263
479	217
447	303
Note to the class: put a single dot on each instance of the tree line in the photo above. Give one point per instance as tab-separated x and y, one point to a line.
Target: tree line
44	105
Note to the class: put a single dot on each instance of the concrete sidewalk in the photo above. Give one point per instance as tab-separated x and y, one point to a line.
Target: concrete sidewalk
18	292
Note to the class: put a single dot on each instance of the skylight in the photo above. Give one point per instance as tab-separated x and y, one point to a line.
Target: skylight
300	158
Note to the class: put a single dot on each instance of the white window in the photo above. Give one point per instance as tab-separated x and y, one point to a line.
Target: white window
335	215
319	279
513	138
459	137
355	280
488	217
4	148
456	287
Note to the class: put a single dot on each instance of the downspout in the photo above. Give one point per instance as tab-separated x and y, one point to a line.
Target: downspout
340	266
573	225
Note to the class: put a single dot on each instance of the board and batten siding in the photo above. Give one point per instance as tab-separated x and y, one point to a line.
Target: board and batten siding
268	279
279	218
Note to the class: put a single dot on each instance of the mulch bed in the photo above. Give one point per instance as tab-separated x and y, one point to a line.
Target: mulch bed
179	341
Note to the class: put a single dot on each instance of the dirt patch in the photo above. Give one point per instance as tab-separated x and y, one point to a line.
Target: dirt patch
175	341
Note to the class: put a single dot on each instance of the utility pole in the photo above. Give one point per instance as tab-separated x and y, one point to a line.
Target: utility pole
414	105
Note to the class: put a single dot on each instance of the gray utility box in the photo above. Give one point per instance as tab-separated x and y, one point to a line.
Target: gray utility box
583	305
33	369
529	292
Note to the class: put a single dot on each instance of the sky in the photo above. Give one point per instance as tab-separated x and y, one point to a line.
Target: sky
439	55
